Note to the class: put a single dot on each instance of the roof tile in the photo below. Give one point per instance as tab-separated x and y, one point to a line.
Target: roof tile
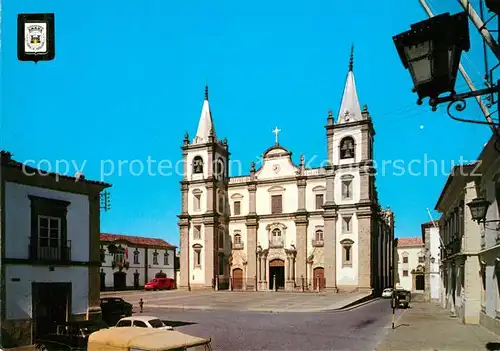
136	240
405	242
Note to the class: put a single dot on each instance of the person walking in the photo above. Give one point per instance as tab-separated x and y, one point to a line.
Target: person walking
141	305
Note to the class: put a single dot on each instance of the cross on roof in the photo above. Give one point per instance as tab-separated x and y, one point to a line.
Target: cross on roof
276	131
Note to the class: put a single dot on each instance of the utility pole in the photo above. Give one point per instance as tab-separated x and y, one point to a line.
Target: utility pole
481	27
467	79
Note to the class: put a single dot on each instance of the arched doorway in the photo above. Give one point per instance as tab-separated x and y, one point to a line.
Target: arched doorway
319	278
237	282
276	273
120	281
419	282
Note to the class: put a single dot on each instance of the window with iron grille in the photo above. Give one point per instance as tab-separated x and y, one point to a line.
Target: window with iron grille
165	258
276	204
405	273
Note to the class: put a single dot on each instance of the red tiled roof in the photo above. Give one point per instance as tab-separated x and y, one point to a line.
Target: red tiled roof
403	242
136	240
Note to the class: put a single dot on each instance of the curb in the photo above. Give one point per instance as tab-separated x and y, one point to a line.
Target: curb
358	304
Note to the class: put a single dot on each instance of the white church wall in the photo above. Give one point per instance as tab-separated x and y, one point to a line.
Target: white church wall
289	234
239	194
193	190
347	275
277	167
238	227
189	164
287	190
355	186
314	187
315	223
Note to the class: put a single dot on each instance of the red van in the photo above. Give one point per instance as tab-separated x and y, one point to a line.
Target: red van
160	284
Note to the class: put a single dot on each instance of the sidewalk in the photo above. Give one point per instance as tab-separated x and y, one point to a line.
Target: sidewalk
429	327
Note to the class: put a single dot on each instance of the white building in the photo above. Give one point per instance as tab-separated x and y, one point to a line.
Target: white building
411	264
50	239
286	226
489	254
432	244
129	262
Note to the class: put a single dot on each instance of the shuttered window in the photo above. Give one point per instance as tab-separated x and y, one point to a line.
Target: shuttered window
237	208
319	201
276	204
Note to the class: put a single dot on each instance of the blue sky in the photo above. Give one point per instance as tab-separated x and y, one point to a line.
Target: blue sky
128	81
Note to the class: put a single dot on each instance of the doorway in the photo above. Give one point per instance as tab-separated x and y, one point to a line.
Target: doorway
136	280
120	281
103	281
319	278
419	282
237	282
51	303
276	273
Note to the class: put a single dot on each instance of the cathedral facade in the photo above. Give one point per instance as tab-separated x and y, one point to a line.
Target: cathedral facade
285	226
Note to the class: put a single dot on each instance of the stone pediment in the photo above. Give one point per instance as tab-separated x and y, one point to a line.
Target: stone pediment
277	162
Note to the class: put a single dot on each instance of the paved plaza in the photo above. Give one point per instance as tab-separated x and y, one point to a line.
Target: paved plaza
240	301
426	326
359	329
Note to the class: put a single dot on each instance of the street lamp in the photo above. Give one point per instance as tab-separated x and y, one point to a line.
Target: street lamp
431	51
478	209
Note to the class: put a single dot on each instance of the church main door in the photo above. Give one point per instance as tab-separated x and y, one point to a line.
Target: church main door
419	282
319	278
276	273
237	282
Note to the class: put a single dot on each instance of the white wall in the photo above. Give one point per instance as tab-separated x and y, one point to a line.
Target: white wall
140	267
18	293
435	279
412	252
18	220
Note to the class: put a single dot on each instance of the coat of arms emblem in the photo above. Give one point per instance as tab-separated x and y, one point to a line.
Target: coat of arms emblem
35	38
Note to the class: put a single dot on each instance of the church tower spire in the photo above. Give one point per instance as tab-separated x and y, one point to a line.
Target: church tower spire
206	126
350	109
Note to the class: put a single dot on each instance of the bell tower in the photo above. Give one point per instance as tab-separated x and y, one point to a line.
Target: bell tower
203	222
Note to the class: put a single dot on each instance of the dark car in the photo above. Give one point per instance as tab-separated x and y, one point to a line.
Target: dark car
115	308
72	336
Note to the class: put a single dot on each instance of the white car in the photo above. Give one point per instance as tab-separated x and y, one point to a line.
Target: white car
143	322
387	293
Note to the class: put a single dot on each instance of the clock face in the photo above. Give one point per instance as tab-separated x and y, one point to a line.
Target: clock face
276	168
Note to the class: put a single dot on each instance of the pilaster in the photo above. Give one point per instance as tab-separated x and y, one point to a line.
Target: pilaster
185	197
185	265
301	223
365	256
208	258
301	186
252	224
330	247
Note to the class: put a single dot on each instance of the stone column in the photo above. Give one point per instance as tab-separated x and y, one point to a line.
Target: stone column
288	268
259	268
330	233
365	184
365	255
209	253
185	264
301	223
252	224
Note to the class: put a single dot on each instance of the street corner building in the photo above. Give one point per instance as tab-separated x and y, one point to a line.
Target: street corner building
285	226
129	262
410	264
50	227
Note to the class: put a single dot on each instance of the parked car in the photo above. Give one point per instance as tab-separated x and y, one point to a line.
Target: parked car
387	293
69	336
143	322
160	284
114	308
